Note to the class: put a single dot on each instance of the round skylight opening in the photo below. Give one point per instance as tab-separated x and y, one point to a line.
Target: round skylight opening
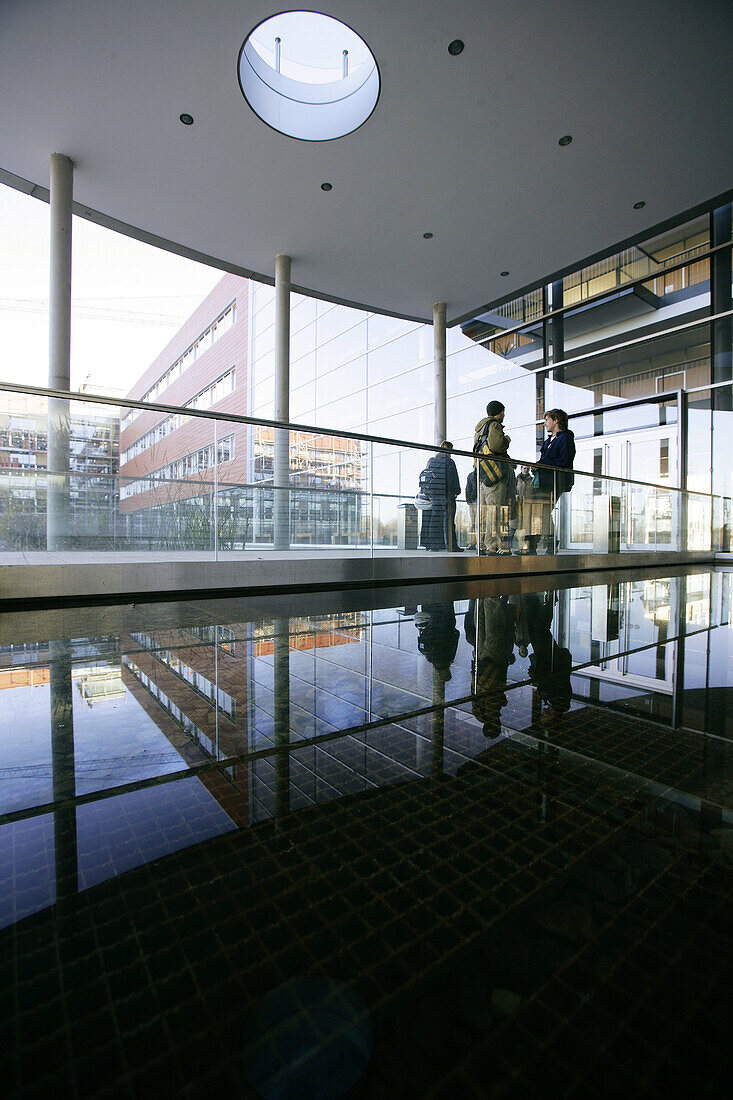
308	76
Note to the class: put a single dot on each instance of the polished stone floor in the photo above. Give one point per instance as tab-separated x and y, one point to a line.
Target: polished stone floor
459	840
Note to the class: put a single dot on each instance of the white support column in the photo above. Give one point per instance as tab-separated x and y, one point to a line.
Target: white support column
439	359
58	518
281	458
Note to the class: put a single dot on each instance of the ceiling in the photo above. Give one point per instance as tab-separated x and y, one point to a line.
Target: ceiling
465	147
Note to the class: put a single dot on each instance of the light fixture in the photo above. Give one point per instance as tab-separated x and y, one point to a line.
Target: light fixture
187	120
503	274
428	236
639	205
326	187
455	47
565	140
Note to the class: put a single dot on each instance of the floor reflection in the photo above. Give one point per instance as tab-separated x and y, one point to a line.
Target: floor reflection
471	810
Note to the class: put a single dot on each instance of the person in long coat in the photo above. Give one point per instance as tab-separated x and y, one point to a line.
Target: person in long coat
442	487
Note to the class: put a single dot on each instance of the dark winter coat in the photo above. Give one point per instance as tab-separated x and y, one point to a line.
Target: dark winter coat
557	450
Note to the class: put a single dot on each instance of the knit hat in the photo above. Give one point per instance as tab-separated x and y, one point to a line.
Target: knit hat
494	408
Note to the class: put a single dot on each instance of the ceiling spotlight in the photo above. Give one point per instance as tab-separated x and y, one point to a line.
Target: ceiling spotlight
187	120
428	236
326	187
639	205
565	140
503	274
455	47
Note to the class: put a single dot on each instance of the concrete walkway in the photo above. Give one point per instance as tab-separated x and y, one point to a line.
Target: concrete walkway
59	575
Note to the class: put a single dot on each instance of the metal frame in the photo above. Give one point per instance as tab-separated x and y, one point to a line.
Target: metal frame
596	298
317	430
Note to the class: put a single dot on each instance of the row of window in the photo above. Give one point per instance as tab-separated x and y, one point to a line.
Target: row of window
183	720
209	396
201	683
208	337
203	459
223	636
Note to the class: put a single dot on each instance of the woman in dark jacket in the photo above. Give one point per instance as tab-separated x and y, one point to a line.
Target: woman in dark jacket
558	450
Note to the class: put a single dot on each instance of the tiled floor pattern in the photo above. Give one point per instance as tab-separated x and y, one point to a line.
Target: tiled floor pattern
528	924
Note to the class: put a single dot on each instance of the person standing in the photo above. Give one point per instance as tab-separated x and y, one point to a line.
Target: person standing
471	496
441	484
452	484
493	480
558	450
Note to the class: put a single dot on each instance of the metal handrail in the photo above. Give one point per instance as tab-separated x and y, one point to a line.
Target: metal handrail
260	422
593	300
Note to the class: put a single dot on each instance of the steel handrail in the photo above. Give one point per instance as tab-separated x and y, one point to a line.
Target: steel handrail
97	399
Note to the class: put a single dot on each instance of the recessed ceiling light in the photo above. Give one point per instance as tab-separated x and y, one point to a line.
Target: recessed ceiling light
326	187
503	274
455	47
187	120
639	205
428	236
565	139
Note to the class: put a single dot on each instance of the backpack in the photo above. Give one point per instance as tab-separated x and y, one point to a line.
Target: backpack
426	479
490	471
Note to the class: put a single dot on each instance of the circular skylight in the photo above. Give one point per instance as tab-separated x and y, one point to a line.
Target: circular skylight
308	75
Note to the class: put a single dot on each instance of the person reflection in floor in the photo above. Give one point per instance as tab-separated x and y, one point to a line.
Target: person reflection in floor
549	664
438	636
489	627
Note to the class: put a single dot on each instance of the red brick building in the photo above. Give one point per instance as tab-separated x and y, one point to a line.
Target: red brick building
169	463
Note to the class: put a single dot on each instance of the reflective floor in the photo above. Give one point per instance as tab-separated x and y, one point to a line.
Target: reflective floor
459	841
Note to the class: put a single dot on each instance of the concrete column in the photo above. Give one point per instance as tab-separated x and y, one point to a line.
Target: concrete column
281	467
281	704
439	359
721	355
58	518
557	331
437	726
64	780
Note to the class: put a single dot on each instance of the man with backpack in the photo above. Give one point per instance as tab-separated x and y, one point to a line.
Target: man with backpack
493	480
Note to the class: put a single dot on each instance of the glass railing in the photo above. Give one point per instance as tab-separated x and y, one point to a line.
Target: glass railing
218	485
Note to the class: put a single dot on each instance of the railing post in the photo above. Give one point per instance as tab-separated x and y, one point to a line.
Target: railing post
58	519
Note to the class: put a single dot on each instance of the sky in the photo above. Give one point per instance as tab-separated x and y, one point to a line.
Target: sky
128	299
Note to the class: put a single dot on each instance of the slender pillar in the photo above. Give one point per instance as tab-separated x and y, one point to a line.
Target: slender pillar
281	688
59	353
721	356
541	376
721	301
64	782
281	467
557	332
439	360
437	732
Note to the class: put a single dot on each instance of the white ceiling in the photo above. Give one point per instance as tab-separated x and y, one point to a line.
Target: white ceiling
464	147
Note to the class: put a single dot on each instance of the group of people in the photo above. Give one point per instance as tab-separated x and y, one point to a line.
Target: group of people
508	509
494	627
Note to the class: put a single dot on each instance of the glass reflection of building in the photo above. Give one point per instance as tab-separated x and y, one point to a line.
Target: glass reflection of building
93	462
374	374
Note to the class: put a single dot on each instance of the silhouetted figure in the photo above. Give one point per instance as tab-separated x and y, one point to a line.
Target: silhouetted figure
549	664
547	486
438	636
439	481
493	621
